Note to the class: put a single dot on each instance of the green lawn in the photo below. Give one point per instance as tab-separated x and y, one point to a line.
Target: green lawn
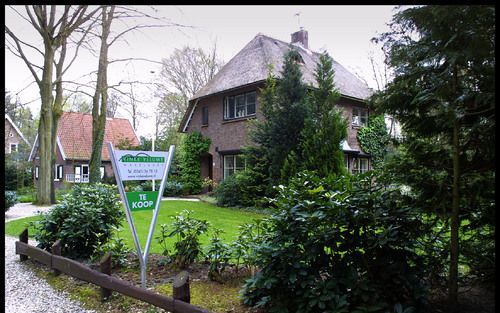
226	219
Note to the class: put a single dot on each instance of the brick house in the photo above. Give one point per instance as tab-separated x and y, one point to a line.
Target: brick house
74	146
222	108
14	139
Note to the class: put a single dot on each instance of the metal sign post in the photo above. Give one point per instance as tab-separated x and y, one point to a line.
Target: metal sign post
141	165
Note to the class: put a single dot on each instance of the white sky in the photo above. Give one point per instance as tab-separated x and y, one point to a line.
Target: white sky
344	31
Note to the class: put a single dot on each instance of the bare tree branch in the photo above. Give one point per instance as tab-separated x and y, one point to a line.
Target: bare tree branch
21	52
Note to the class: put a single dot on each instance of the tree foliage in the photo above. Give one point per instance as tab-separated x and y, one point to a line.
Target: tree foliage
324	129
192	148
338	245
443	93
284	110
374	139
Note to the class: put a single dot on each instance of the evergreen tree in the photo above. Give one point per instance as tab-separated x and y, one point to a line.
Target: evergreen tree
285	111
324	130
443	93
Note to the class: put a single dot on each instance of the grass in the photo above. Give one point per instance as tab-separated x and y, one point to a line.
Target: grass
227	219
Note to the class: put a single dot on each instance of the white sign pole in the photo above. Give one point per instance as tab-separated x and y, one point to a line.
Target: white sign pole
153	149
135	172
157	208
125	202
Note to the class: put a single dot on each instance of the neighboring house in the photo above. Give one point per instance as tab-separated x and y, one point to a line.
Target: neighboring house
74	146
222	108
13	137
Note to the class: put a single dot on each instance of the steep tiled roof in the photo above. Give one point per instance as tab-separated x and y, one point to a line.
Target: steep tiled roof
251	65
75	134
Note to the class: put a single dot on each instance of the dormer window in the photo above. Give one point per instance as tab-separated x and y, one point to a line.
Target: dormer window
240	105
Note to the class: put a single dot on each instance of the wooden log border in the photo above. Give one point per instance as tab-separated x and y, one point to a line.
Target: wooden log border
82	272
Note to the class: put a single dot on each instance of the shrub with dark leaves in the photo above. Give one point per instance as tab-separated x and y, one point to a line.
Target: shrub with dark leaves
84	219
339	245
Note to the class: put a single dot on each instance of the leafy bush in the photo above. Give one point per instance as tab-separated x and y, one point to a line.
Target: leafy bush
187	231
172	189
85	217
10	199
116	246
249	238
237	191
193	147
338	246
218	254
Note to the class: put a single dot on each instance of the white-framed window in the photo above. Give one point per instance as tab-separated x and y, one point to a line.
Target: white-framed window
58	173
359	116
13	147
36	172
360	165
239	105
232	164
101	169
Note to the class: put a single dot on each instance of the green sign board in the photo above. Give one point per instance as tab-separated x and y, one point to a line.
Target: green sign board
141	200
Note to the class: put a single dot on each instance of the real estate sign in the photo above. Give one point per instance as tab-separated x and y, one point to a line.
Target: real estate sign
141	165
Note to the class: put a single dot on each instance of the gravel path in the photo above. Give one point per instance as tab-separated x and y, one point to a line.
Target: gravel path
25	292
20	210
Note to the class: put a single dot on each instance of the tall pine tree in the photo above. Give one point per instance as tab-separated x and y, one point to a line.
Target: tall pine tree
325	128
443	93
285	111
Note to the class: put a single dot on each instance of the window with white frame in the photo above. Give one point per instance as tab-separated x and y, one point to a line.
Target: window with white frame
101	169
359	165
36	172
359	116
58	173
13	147
239	105
232	164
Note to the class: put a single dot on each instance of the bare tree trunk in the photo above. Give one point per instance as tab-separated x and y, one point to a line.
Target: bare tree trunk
45	179
101	94
455	225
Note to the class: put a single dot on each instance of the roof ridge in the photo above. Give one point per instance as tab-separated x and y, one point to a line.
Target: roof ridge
287	43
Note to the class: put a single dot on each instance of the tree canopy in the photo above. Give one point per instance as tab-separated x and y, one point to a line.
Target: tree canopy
443	93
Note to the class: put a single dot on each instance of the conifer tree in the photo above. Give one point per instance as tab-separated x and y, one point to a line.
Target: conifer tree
320	148
285	111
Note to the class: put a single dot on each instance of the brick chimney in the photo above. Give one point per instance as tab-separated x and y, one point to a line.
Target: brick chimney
301	37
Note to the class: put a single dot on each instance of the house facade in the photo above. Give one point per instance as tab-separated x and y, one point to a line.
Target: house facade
14	139
222	109
74	147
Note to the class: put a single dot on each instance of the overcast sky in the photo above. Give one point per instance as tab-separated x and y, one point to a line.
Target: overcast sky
343	31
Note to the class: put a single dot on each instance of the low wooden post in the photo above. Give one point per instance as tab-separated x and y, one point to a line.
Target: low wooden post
105	266
56	250
23	237
181	287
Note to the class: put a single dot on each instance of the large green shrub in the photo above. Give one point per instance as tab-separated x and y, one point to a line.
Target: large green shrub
192	148
374	139
338	246
10	199
85	218
239	190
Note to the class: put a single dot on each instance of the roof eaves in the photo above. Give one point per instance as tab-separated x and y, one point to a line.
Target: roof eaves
17	129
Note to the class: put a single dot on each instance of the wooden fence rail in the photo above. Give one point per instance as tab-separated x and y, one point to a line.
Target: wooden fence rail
72	268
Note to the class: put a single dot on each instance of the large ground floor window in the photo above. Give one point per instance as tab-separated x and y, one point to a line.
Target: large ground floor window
232	164
357	165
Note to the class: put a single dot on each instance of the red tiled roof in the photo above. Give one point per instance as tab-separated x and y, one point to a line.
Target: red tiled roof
75	133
